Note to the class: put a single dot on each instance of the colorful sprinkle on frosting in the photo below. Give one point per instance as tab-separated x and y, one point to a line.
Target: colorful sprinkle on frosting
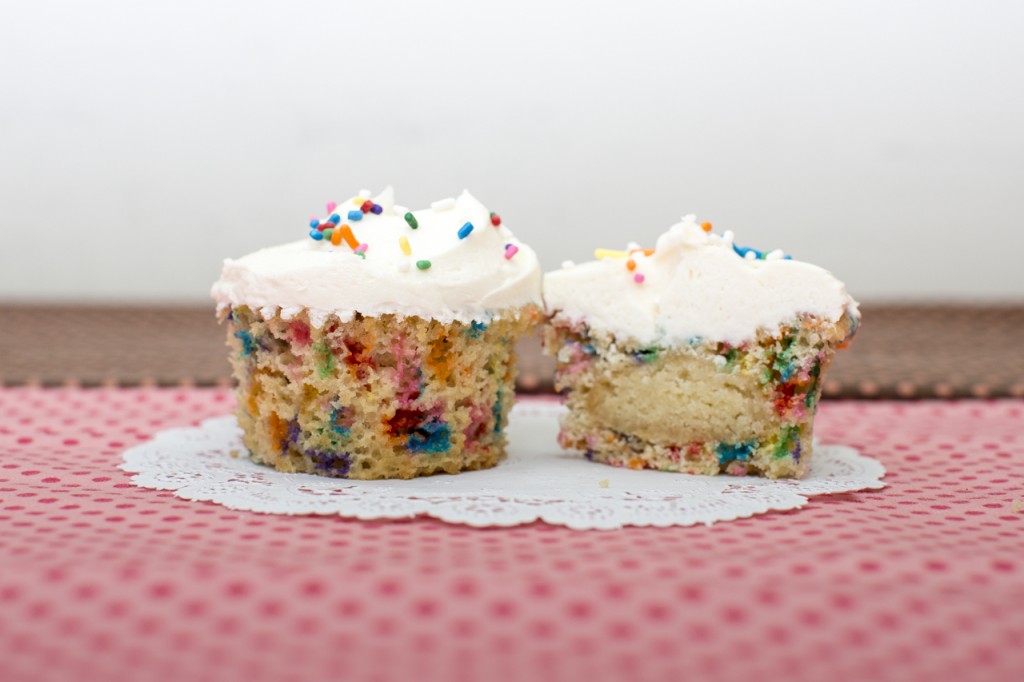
346	233
510	250
465	230
495	219
423	264
411	219
403	243
355	215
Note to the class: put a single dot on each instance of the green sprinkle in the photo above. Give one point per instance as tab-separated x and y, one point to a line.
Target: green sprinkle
327	233
411	219
326	364
423	264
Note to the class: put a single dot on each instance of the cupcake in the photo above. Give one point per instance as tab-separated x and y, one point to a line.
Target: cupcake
696	356
381	344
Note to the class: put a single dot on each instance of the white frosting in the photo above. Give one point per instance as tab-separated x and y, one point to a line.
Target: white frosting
694	286
468	279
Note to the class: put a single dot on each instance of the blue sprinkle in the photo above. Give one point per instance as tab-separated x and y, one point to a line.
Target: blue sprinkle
314	223
355	215
787	257
465	230
248	346
744	250
335	218
497	411
316	234
728	452
432	437
377	209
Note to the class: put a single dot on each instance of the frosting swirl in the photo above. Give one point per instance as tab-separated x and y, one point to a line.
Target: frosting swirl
459	266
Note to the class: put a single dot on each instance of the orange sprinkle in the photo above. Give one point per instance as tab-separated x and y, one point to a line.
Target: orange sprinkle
706	227
631	265
336	237
346	233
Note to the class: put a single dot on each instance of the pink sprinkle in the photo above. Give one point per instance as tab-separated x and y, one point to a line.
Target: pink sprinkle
510	251
362	247
331	205
638	278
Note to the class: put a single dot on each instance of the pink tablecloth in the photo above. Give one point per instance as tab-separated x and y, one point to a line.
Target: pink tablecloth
101	580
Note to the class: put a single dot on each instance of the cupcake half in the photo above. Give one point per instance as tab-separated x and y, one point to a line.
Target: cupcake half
381	344
696	356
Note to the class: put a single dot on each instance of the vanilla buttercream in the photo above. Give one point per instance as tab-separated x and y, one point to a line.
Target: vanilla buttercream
444	276
695	285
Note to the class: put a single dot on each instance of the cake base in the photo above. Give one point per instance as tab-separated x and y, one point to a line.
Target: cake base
702	408
374	397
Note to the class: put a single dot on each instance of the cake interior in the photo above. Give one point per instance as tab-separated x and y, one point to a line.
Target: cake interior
374	397
704	407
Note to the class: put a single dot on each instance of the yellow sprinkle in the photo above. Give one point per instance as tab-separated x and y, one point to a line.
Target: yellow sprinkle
358	201
609	253
404	243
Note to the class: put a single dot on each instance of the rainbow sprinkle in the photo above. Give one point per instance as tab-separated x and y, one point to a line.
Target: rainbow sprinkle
366	206
465	230
423	264
495	219
706	227
335	218
314	222
355	215
346	233
316	234
361	248
411	219
403	242
376	209
639	278
331	205
510	250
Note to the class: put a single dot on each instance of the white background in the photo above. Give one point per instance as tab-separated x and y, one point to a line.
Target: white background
140	143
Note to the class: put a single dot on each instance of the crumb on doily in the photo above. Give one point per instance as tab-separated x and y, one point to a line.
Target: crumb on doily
1017	505
234	453
603	483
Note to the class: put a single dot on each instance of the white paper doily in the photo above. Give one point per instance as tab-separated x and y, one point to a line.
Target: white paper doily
538	481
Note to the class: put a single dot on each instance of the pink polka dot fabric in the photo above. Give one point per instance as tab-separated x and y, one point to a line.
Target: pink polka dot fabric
100	580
